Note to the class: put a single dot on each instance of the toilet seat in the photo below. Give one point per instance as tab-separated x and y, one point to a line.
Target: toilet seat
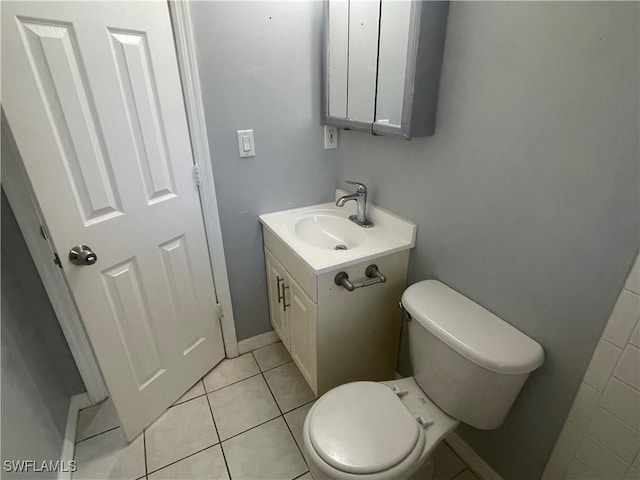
363	428
404	394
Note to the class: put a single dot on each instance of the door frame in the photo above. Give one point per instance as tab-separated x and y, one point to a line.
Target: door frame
22	200
180	14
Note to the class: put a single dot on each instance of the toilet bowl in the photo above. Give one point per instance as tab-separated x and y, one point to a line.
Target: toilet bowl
373	431
461	355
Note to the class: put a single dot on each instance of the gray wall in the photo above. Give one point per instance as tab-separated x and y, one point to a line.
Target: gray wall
527	196
39	375
260	68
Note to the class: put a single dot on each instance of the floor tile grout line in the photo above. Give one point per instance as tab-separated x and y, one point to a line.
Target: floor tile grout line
304	459
260	425
291	431
183	458
249	429
274	397
198	451
270	368
228	385
175	404
300	406
94	436
273	368
239	381
302	475
285	421
272	394
207	392
224	457
280	414
220	441
188	400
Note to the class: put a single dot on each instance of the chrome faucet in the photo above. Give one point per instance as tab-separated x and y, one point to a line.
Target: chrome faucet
361	199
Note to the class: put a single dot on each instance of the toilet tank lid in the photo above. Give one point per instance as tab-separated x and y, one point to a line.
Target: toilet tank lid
471	330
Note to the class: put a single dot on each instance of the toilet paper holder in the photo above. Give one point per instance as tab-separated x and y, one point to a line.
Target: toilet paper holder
373	276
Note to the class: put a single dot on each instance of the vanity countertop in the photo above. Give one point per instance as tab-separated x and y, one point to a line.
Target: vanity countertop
314	232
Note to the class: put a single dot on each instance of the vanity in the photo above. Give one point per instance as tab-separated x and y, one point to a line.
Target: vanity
337	316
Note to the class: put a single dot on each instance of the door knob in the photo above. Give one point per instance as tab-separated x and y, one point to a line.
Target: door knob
82	255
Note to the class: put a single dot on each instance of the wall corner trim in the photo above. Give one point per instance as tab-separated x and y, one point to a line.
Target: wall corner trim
471	458
77	403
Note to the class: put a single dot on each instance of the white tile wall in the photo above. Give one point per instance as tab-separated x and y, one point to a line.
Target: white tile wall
627	369
614	434
602	364
578	471
599	459
623	319
584	405
601	437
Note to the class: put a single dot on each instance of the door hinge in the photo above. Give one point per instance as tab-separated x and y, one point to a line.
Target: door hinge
219	311
56	260
196	174
44	233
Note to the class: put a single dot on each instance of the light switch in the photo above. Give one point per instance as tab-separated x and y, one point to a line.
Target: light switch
246	145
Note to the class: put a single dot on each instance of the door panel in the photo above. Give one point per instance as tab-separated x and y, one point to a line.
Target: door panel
55	66
92	94
135	76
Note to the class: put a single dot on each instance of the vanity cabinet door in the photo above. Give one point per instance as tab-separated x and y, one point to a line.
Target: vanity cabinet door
302	329
276	278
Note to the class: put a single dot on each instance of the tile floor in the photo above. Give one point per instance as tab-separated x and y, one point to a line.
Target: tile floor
243	420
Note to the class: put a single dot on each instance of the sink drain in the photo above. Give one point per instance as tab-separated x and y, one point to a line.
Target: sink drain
340	247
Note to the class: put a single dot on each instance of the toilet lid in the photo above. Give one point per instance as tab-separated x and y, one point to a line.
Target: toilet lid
362	427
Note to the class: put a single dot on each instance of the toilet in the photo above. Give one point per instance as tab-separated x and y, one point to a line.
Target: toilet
469	366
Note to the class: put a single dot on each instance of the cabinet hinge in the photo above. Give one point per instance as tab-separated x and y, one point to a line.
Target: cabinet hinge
196	174
219	311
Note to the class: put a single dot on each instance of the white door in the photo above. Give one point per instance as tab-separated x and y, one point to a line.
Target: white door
92	94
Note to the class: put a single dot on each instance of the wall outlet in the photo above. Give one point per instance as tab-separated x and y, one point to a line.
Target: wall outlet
330	137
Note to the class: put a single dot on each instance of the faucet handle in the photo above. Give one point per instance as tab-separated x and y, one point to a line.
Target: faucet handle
361	187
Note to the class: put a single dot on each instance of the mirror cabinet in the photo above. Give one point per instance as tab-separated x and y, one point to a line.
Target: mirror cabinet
382	62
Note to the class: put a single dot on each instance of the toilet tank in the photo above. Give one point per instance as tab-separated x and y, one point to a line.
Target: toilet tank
468	361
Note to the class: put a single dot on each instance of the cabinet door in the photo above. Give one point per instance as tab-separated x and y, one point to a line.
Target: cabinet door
275	286
302	329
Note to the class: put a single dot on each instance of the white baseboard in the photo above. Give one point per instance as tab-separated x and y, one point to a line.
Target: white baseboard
259	341
77	403
471	458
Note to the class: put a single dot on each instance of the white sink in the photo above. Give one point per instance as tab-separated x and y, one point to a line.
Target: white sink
314	232
326	229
